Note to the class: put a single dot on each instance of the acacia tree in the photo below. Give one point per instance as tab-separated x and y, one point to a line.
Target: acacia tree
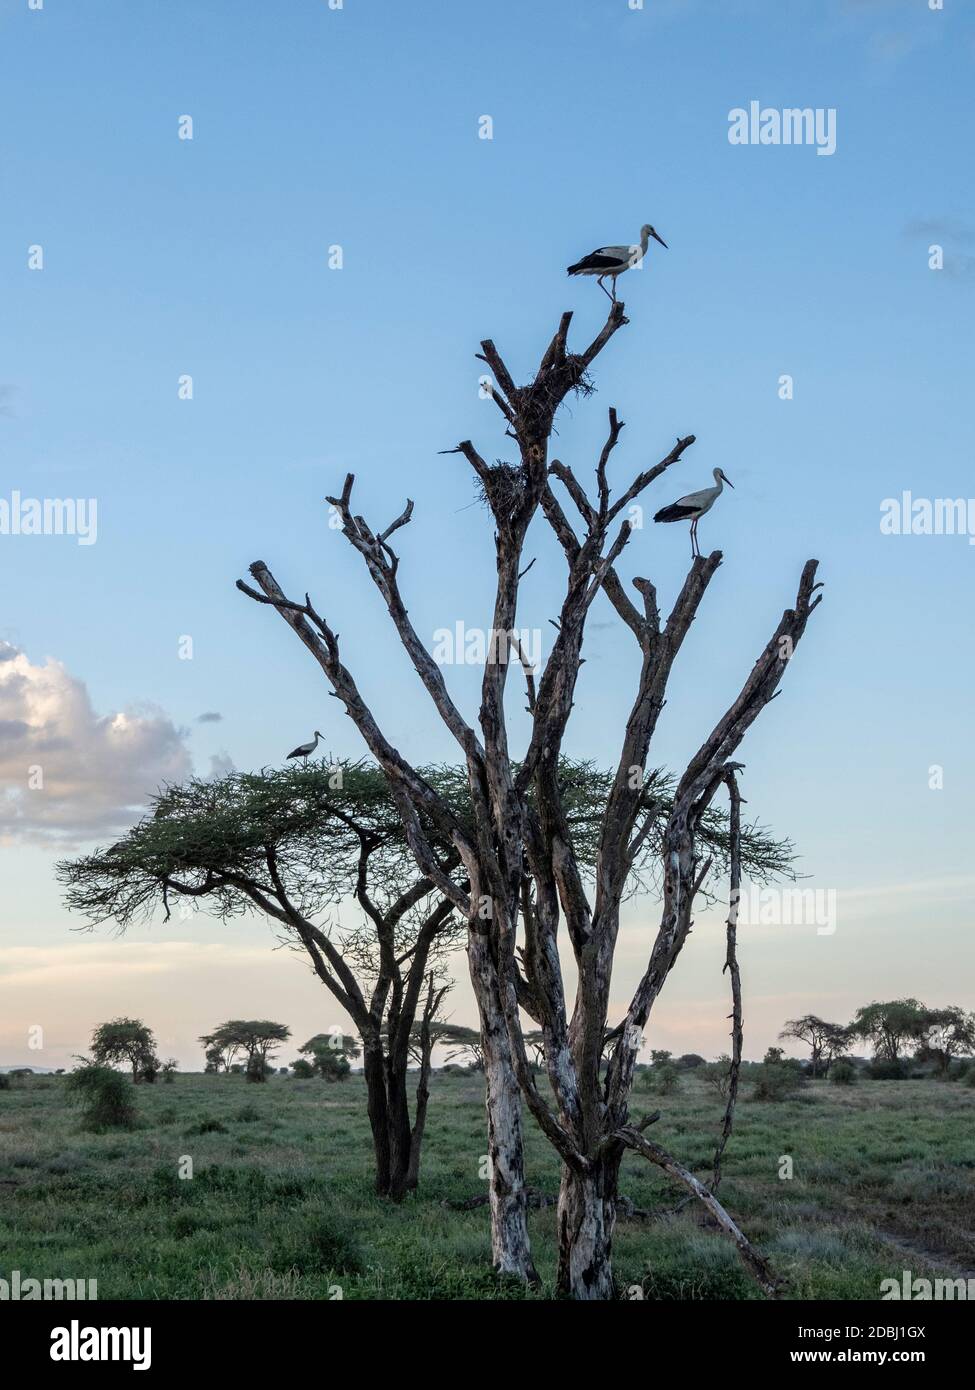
517	853
294	843
215	1057
826	1041
464	1042
255	1037
945	1034
130	1041
331	1054
890	1026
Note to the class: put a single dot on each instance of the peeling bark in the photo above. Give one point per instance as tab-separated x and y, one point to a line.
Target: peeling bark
510	1244
586	1222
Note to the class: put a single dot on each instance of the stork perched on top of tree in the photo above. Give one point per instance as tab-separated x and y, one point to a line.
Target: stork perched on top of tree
305	750
606	262
692	507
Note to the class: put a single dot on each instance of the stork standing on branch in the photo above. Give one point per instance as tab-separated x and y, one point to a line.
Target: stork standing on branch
305	750
692	507
607	262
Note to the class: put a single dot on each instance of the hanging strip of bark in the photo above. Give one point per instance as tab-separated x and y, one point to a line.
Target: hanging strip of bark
756	1265
731	965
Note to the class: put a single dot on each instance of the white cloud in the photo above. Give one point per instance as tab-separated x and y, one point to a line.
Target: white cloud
68	774
221	765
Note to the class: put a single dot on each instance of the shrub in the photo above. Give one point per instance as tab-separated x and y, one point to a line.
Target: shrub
208	1127
303	1068
4	1081
689	1061
716	1074
665	1079
968	1079
334	1068
776	1081
104	1096
883	1069
319	1243
843	1073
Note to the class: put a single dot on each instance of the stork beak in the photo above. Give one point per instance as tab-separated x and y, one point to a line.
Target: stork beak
660	239
727	479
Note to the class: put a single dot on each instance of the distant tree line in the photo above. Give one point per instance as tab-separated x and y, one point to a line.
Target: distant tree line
895	1029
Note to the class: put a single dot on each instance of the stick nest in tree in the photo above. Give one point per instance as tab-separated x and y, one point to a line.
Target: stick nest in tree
503	488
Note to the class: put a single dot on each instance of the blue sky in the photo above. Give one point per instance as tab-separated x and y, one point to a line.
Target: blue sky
359	128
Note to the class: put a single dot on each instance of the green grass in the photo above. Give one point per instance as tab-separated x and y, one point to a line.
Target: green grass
280	1202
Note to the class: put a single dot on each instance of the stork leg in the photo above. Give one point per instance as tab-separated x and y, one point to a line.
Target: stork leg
694	546
605	291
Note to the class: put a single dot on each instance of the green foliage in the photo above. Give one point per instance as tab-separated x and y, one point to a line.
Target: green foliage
128	1041
888	1069
777	1078
665	1079
4	1081
329	1055
104	1096
825	1040
690	1061
207	1127
843	1072
334	1068
212	836
255	1037
890	1026
944	1035
302	1068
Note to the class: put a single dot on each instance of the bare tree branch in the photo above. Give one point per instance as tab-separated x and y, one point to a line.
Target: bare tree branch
755	1263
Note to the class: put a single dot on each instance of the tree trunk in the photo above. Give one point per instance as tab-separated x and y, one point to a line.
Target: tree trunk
510	1246
586	1219
374	1072
400	1138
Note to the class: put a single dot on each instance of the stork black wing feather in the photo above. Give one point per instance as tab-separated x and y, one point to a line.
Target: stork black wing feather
595	262
675	512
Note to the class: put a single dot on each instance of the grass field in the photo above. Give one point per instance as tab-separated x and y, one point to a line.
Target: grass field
280	1204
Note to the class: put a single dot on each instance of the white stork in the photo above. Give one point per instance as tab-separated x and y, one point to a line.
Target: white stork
694	505
610	261
305	750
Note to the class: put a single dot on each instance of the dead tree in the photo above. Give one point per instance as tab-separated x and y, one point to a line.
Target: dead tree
517	850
